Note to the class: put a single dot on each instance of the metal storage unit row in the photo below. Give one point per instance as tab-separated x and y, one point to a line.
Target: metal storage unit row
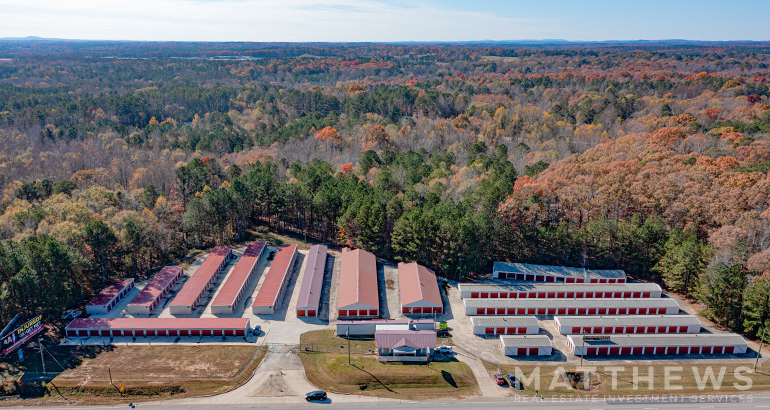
231	292
569	325
109	296
678	344
309	301
660	306
192	292
154	291
368	327
157	327
274	284
505	325
536	345
538	291
556	274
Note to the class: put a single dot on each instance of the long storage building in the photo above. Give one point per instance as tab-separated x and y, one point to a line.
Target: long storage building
505	325
272	288
568	291
191	294
659	306
359	294
556	274
157	327
671	344
529	345
154	291
309	301
368	327
109	296
231	292
575	325
419	289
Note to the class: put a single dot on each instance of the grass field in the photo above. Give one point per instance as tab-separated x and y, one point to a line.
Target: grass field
148	373
627	384
331	371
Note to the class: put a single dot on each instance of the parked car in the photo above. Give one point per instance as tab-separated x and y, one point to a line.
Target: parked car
257	329
444	349
316	395
71	314
442	333
511	379
499	379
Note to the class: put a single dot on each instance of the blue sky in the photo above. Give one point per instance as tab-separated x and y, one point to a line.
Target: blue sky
384	20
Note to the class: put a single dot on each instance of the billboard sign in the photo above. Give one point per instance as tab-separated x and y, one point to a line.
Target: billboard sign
22	334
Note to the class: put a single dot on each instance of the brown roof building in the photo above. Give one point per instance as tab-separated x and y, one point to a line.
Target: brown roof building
419	289
359	291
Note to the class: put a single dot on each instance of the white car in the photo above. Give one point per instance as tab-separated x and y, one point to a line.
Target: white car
444	350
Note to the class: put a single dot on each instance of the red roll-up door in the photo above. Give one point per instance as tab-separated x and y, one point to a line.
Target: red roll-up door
480	311
621	311
417	310
597	329
627	294
571	311
511	311
602	351
661	329
575	330
729	349
229	332
660	350
562	311
550	279
162	333
510	330
117	333
489	331
533	351
474	295
649	350
195	332
645	294
311	312
619	329
541	295
592	311
551	295
500	311
625	350
570	295
683	329
591	351
589	295
500	330
217	332
301	312
173	333
580	295
522	351
650	329
71	333
184	332
494	295
551	311
541	311
531	311
632	311
373	312
484	295
521	330
638	350
594	280
618	295
105	333
630	329
539	278
717	350
581	311
93	332
602	311
570	280
206	332
637	295
343	313
612	311
560	295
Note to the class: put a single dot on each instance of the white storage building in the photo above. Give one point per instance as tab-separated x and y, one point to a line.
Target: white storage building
505	325
559	291
556	274
574	325
518	307
529	345
671	344
368	327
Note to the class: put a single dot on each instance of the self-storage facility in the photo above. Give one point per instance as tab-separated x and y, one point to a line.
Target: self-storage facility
309	301
109	296
157	327
529	345
191	294
568	291
272	288
154	291
231	292
358	294
505	325
419	289
575	325
659	306
672	344
555	274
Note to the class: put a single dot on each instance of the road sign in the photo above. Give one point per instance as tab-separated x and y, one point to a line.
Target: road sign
121	387
596	338
22	334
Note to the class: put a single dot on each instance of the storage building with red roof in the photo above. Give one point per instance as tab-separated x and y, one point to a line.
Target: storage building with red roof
232	290
191	294
157	327
309	301
154	291
273	286
358	294
419	289
109	296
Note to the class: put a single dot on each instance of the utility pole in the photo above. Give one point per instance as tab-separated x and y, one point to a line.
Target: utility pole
347	333
583	348
42	359
759	352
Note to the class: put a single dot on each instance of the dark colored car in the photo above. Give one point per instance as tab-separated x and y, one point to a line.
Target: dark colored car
257	329
316	395
499	379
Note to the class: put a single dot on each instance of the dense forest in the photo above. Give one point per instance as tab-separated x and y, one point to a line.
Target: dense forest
118	158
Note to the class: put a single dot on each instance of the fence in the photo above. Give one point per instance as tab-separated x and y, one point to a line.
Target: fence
82	377
354	350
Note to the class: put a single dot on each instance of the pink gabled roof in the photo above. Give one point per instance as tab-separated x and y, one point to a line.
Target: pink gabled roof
420	339
358	279
416	283
107	294
241	272
156	285
274	280
200	279
312	281
159	323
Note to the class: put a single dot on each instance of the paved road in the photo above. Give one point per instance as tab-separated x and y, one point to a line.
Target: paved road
681	403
